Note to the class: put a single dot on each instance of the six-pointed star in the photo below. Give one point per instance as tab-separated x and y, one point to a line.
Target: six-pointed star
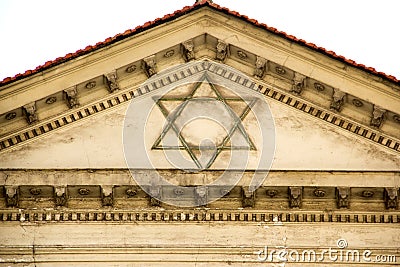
214	96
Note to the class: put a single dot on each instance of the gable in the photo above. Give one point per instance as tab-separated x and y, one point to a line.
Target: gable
295	138
361	108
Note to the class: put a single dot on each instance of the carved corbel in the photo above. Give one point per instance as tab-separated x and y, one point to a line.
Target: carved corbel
30	112
337	100
248	198
60	195
298	83
343	197
107	195
72	97
391	198
111	80
188	50
260	68
378	115
200	195
155	192
222	50
12	196
295	196
149	65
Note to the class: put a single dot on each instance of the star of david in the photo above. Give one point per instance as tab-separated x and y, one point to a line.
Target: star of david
183	106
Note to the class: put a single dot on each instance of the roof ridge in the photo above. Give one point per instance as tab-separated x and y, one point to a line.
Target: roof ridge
181	12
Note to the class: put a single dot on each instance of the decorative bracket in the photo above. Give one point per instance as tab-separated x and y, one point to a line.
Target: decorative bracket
261	67
248	198
111	81
72	97
200	195
343	197
60	195
222	50
149	65
12	196
107	195
155	195
30	112
337	100
391	198
377	116
295	196
188	50
298	83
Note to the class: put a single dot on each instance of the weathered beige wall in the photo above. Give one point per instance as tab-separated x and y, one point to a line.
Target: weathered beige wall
199	244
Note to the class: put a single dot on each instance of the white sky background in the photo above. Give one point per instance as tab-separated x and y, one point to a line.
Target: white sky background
33	32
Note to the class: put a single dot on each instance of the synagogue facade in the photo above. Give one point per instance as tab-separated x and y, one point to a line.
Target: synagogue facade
201	138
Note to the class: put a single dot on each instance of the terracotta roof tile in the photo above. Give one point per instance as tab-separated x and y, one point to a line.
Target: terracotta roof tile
182	12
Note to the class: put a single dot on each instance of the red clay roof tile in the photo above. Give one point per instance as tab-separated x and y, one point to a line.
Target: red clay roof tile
181	12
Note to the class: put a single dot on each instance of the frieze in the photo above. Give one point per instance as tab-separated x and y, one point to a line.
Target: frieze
285	197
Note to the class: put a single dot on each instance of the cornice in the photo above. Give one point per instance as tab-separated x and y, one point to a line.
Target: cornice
300	59
102	60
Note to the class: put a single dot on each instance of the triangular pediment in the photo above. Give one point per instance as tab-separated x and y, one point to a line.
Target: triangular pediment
218	104
324	105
